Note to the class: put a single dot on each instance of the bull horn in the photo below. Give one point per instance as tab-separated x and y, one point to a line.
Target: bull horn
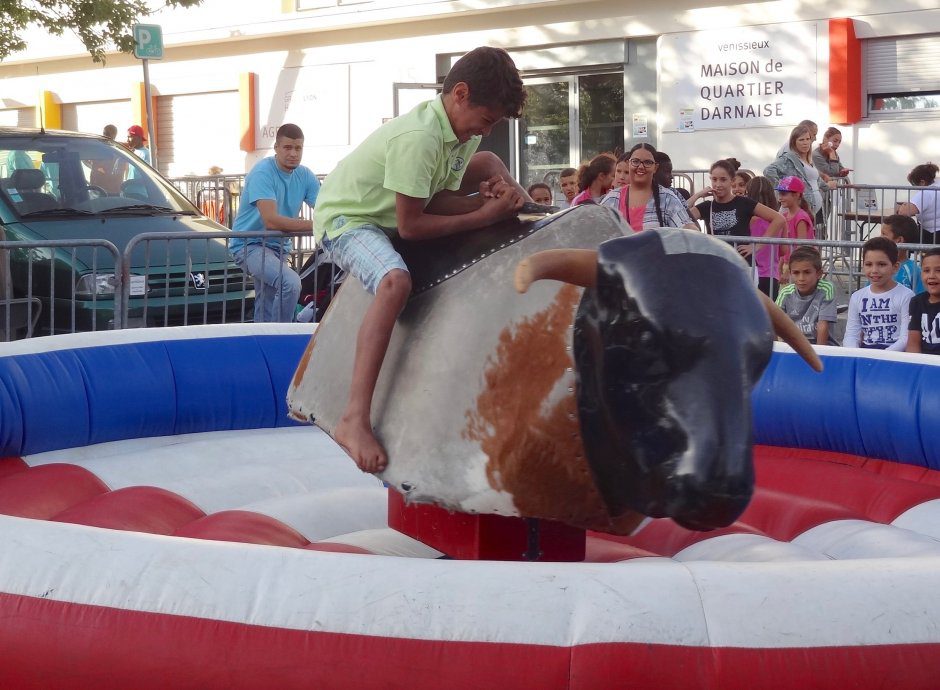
791	335
575	266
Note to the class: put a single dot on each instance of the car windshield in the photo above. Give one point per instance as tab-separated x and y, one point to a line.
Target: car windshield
52	174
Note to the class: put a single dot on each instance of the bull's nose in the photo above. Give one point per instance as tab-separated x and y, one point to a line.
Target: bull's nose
708	483
706	506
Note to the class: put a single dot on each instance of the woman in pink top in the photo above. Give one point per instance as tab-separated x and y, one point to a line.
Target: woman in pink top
797	213
642	202
595	179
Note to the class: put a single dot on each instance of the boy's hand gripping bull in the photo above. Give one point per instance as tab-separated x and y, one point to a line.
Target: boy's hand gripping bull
618	389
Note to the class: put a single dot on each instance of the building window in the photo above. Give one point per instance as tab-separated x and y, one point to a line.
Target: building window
902	76
907	101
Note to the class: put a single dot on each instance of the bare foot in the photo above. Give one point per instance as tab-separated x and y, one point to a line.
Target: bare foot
360	443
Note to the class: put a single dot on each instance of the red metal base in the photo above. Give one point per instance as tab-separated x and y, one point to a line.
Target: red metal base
482	537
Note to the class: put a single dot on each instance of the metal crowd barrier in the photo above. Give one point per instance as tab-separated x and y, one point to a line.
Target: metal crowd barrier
851	212
858	210
160	279
841	259
43	290
203	292
63	286
690	180
217	196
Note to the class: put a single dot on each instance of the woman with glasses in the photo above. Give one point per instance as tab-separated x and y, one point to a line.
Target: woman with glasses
728	214
642	202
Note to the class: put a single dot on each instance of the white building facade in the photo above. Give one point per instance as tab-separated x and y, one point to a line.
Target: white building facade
697	80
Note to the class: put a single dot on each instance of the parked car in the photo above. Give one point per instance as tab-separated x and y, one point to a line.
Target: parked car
70	186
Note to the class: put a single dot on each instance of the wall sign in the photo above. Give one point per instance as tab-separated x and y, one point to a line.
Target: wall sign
740	77
315	97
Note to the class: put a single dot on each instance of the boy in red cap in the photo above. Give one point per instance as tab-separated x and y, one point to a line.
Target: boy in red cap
135	142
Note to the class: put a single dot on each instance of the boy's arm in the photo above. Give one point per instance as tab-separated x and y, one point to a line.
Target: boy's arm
827	315
415	223
913	328
448	203
904	311
852	324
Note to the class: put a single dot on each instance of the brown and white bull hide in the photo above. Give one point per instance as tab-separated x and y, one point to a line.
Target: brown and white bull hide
476	401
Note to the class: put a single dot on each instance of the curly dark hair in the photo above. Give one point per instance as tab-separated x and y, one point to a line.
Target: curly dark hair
923	175
492	78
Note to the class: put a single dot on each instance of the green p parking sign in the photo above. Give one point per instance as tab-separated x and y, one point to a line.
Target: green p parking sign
148	41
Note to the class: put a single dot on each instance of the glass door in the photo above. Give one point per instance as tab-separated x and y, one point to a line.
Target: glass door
569	120
600	114
547	130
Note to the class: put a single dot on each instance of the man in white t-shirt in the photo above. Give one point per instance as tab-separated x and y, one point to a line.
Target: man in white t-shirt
924	203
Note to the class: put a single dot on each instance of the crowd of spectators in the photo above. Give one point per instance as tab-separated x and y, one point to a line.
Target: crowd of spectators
899	308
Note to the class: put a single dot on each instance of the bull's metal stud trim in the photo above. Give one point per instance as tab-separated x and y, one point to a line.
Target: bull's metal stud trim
511	241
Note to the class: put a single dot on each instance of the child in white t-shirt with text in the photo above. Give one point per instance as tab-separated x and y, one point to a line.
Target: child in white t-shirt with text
879	312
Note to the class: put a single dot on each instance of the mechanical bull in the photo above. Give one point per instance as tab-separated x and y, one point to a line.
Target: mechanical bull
619	389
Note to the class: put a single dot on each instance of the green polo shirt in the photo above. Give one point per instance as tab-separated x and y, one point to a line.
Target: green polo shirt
416	154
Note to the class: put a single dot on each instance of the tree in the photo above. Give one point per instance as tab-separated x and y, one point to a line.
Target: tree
100	24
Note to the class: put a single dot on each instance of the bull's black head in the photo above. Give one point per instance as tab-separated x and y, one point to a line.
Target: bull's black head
668	346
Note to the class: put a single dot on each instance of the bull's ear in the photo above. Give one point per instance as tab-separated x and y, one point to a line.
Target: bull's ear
575	266
791	335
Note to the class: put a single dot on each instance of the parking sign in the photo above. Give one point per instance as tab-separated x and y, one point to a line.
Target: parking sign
148	41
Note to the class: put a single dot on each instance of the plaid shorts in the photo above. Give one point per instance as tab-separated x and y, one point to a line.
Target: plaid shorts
365	252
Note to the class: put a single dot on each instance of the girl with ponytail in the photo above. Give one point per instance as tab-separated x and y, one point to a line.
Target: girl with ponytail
595	179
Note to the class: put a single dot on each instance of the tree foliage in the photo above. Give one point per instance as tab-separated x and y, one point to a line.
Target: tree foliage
100	24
